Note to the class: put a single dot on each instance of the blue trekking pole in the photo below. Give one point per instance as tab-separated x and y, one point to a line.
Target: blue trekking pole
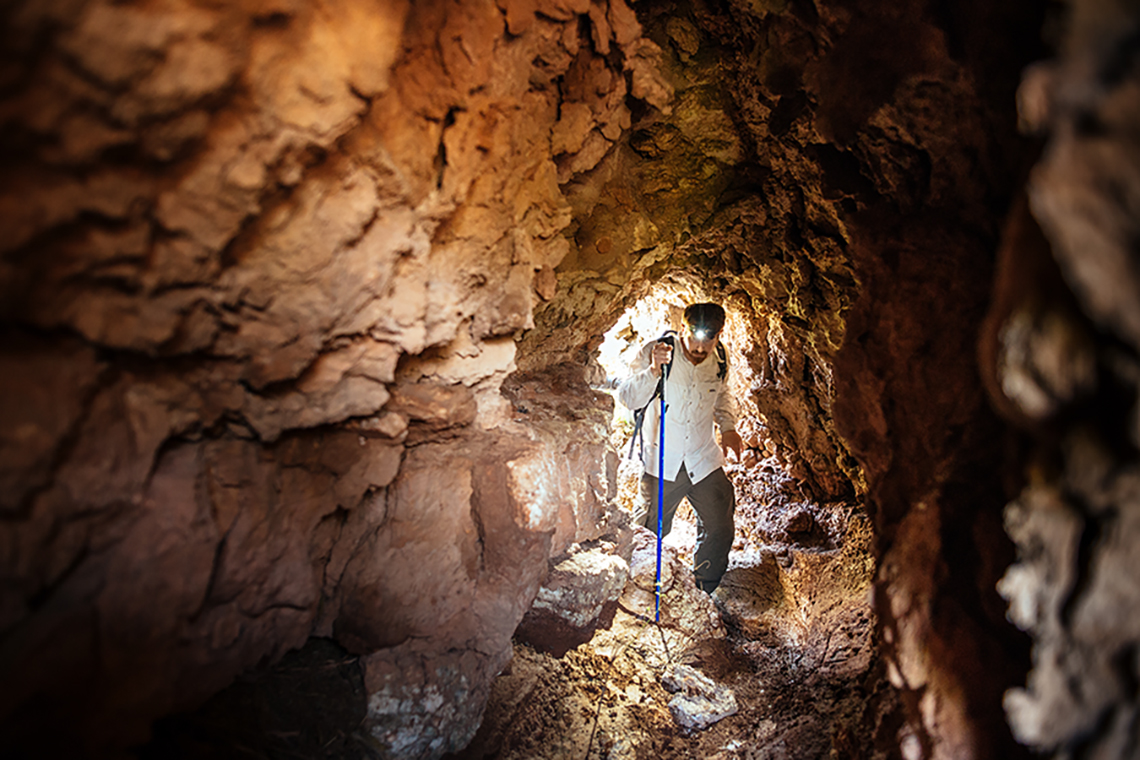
660	489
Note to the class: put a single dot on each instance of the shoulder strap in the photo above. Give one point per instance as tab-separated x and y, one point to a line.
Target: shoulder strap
669	337
639	415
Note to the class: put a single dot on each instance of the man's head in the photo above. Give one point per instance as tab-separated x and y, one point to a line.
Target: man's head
703	323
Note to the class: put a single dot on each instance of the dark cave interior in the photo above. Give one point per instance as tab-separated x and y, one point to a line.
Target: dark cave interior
306	442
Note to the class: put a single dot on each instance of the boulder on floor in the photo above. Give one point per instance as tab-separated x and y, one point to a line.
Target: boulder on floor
699	701
579	596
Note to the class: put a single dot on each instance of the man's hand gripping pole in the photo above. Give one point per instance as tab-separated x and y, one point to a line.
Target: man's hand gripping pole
660	486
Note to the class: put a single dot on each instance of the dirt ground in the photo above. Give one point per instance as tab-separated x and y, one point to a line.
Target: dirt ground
798	652
794	642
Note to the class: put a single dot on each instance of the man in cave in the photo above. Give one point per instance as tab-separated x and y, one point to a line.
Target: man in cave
695	397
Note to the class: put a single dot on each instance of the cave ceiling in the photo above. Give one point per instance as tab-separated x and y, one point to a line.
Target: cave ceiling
778	150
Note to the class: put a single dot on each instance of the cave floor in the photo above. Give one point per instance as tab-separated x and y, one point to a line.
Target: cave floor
793	639
591	705
796	648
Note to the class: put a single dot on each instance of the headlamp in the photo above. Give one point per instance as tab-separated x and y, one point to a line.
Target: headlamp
701	333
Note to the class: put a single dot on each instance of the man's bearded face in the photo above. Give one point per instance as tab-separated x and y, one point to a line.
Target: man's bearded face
699	343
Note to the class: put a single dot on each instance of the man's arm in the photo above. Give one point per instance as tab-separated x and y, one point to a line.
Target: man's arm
724	414
636	390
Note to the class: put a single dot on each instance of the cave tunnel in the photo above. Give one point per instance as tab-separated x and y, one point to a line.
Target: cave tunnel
308	444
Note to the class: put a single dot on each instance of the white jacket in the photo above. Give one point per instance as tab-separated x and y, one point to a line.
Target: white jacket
695	398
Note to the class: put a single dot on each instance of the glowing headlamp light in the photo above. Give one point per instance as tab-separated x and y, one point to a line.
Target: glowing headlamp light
701	333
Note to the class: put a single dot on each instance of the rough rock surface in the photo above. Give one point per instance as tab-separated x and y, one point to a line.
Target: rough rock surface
578	595
782	595
264	267
684	613
602	577
1061	351
803	697
699	701
842	206
270	265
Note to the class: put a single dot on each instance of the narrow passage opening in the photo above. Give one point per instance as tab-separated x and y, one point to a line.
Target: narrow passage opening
789	635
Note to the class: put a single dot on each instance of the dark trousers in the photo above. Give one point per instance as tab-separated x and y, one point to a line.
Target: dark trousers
714	501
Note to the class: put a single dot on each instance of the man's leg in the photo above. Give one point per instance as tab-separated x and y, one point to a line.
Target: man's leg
714	501
675	490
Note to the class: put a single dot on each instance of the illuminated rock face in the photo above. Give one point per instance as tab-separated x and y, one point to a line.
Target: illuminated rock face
286	289
700	701
263	265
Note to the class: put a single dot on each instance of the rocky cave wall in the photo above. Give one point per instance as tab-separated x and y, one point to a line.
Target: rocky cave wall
269	264
1061	356
846	205
262	272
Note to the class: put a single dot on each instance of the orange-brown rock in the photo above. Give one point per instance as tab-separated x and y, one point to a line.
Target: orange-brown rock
297	299
229	229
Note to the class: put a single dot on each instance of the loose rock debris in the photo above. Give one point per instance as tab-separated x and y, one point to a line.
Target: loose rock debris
699	701
779	662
